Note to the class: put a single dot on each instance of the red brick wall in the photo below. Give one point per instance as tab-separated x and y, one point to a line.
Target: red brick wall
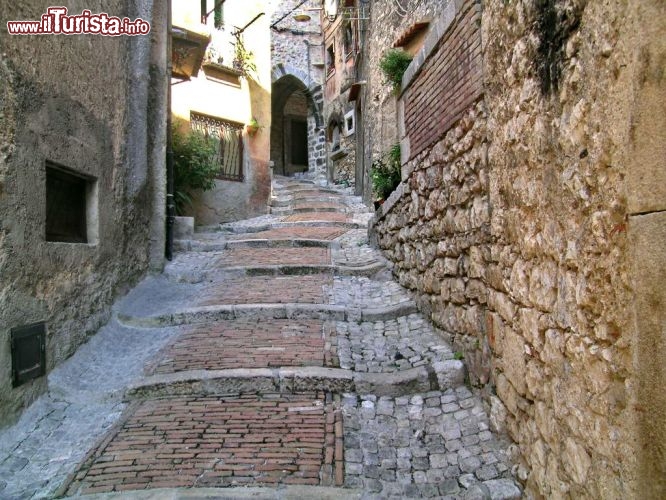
449	81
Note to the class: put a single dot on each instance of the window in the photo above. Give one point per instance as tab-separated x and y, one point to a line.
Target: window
330	60
229	138
218	13
70	202
349	40
350	124
334	136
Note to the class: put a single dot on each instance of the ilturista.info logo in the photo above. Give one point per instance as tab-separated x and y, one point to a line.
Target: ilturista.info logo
57	22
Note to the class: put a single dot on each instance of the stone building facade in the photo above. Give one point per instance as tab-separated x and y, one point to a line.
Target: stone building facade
297	133
530	224
223	97
82	184
341	24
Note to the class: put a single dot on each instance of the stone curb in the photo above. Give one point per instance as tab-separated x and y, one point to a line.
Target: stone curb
440	376
231	493
206	314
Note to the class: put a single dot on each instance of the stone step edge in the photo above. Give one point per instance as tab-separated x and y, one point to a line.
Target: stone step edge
439	376
280	211
281	224
207	314
280	270
282	492
206	246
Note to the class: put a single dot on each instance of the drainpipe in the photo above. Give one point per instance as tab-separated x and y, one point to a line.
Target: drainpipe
170	205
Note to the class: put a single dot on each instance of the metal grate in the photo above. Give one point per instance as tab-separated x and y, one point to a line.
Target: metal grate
28	352
229	138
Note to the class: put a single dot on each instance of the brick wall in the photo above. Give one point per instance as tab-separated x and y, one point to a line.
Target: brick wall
447	83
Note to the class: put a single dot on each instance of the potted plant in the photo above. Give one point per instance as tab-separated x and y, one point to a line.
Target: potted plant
252	126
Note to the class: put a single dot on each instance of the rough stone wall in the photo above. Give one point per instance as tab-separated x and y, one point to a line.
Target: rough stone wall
58	103
529	233
560	77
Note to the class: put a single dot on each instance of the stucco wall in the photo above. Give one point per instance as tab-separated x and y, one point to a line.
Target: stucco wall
60	103
231	200
546	203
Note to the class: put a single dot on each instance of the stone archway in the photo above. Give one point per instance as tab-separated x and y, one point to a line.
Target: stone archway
297	130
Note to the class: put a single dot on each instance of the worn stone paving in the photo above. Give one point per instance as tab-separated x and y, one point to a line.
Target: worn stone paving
94	433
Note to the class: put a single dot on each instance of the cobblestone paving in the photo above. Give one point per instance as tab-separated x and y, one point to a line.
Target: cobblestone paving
247	342
364	292
216	441
389	346
436	444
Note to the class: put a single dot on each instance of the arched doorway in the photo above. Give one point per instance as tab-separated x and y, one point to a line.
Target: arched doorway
297	134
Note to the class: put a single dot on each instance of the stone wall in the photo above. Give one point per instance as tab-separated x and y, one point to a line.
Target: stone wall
529	230
296	50
59	104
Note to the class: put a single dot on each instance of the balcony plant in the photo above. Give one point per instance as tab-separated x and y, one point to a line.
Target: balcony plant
393	64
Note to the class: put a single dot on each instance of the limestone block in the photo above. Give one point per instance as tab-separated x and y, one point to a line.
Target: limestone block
576	460
513	360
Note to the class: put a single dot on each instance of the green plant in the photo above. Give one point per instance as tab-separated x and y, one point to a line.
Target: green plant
458	355
243	58
385	172
393	64
194	164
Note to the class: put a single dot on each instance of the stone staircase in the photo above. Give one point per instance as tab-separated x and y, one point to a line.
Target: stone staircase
274	358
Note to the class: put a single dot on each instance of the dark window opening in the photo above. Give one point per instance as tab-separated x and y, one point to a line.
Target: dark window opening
330	60
349	40
229	141
334	136
28	345
66	203
299	142
203	11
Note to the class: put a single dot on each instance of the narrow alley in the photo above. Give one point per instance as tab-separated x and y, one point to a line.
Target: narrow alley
275	358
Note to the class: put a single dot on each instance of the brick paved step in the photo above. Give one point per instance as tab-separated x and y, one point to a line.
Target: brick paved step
439	376
295	210
206	314
219	441
279	223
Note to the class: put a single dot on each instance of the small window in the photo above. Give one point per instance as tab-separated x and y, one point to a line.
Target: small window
330	60
350	123
334	136
229	141
68	201
349	40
